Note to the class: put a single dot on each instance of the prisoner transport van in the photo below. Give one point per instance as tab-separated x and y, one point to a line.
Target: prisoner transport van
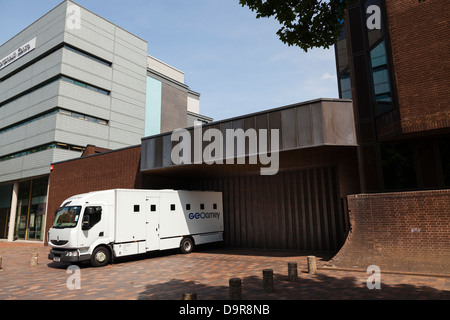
102	225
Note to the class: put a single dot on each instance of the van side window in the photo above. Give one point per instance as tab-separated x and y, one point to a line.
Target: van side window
215	206
172	207
136	208
202	206
95	214
188	206
153	207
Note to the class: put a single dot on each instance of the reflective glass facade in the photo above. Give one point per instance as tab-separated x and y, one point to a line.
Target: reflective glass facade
31	206
366	73
345	86
380	77
5	209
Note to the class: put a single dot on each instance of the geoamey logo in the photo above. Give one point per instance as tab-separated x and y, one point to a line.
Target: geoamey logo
204	215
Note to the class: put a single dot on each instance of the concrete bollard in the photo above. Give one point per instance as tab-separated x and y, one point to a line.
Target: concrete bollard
292	272
235	289
312	267
189	296
268	280
34	259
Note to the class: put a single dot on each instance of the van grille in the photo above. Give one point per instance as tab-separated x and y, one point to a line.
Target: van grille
59	243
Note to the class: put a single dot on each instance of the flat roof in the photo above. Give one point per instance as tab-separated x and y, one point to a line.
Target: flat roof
314	123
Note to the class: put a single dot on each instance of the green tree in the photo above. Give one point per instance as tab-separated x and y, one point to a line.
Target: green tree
305	23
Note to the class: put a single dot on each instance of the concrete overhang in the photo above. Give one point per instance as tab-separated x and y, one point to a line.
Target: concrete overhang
310	124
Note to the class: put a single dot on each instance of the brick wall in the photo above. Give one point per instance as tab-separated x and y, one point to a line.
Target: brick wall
118	169
420	40
404	231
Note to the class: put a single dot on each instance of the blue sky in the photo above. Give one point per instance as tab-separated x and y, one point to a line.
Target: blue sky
235	61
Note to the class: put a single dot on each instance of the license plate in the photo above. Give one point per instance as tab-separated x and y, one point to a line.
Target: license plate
56	258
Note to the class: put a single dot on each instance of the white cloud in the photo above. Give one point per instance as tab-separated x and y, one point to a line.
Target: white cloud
327	76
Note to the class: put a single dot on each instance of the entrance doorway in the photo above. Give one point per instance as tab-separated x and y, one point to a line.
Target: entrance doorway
4	218
5	209
31	204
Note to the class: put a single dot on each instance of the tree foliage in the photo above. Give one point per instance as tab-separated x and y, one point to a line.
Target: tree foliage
305	23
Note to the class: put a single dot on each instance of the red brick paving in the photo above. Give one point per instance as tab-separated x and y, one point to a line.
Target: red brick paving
166	276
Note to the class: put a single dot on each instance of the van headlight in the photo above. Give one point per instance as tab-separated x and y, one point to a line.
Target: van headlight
72	253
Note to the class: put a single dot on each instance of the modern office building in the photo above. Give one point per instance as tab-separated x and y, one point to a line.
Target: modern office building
69	80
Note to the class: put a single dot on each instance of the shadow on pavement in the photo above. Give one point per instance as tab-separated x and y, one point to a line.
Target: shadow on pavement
317	287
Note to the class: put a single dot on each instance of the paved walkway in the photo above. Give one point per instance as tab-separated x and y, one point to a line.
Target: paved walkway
166	276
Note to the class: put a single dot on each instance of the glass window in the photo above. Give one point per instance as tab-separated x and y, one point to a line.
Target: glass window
42	148
5	208
381	81
341	51
380	78
81	84
345	85
378	55
95	215
67	217
22	210
37	209
85	85
87	55
172	207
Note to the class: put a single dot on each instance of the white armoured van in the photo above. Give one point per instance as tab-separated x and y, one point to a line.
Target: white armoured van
101	225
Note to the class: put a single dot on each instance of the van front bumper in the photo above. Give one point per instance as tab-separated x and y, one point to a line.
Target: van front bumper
71	256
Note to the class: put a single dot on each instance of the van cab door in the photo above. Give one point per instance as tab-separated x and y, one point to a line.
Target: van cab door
93	225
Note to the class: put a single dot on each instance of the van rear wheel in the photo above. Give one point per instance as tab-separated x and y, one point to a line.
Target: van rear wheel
187	245
100	257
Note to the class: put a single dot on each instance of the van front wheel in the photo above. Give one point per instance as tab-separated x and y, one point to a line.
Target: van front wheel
100	257
187	245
